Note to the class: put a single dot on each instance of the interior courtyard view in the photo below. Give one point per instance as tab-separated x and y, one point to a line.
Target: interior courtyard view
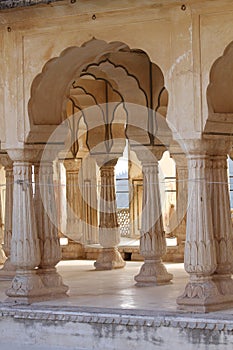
116	174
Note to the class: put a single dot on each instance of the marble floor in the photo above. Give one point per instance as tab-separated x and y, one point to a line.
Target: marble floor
113	289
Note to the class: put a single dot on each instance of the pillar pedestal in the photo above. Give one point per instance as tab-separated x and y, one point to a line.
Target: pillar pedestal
109	259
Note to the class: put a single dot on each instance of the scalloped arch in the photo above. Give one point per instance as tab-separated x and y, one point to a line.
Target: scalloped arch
51	86
220	88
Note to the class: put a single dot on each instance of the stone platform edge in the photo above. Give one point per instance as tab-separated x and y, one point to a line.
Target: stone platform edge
128	318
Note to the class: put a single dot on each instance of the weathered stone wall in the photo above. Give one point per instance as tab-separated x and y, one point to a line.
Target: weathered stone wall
99	330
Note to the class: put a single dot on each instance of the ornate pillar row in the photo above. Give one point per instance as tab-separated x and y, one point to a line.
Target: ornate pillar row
152	241
109	234
8	270
47	225
206	256
74	223
27	285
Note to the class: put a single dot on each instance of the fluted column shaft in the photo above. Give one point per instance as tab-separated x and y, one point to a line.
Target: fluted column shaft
152	242
45	212
201	293
2	254
46	218
222	224
200	255
109	234
152	245
74	200
8	210
8	270
181	202
25	250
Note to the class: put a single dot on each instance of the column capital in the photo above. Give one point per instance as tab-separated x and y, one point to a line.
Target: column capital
72	165
23	155
150	154
106	159
207	146
180	160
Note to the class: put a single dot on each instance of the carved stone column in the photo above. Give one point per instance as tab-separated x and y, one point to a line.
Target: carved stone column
109	234
46	217
152	241
25	249
89	199
2	254
8	269
181	199
74	226
201	293
222	227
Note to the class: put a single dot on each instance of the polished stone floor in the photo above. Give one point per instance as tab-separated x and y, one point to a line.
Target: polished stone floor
113	289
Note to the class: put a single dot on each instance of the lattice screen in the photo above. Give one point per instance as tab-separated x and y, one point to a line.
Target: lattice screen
123	219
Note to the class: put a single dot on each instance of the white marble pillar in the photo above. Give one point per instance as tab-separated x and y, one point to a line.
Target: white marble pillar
74	223
88	189
8	269
109	234
201	293
2	254
27	285
46	218
181	199
222	226
152	241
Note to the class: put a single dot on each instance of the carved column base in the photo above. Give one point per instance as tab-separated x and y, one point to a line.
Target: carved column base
52	281
8	270
109	259
26	287
153	272
206	295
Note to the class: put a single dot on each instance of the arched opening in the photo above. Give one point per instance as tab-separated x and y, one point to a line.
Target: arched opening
107	97
115	75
